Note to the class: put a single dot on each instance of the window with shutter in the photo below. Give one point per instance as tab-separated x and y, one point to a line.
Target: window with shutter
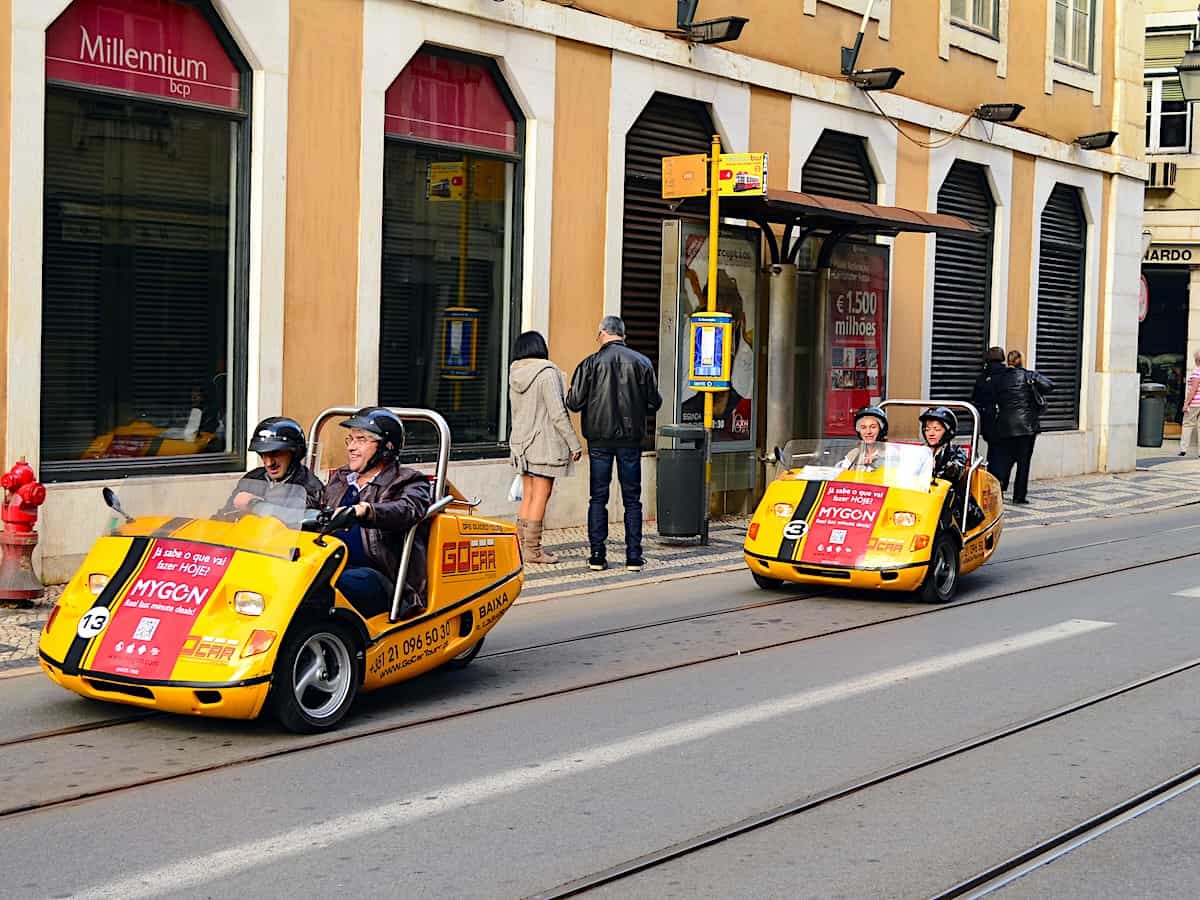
1060	305
143	304
668	126
962	284
839	167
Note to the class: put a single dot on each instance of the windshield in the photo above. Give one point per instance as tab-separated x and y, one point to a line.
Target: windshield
886	463
268	526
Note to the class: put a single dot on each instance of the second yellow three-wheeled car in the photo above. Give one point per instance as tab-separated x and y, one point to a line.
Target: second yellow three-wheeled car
829	520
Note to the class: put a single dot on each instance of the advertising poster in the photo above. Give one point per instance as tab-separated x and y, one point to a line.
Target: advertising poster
737	295
841	529
856	333
742	174
151	627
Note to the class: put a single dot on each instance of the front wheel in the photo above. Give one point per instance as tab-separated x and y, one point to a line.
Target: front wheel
767	584
316	677
464	659
941	580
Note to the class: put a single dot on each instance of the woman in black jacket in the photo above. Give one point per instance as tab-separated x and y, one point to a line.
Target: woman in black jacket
1018	393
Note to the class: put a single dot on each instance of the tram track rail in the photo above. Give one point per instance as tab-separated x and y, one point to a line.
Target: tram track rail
979	885
354	734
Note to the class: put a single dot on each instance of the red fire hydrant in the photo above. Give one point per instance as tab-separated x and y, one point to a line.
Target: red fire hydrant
23	494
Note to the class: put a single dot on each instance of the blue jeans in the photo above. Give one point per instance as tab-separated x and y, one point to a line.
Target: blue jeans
629	475
367	589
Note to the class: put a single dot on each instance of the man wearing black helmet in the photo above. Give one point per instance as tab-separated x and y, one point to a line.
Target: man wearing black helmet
280	444
388	500
871	424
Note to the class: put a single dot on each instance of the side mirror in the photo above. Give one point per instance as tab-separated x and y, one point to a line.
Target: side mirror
779	459
111	501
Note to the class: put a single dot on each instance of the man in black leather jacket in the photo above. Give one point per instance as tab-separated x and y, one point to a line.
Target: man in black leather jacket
615	389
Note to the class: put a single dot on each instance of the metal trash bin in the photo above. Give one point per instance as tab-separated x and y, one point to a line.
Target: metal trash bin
1152	409
680	491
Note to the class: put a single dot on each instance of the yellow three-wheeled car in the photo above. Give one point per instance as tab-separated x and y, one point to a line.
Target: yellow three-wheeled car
222	618
841	514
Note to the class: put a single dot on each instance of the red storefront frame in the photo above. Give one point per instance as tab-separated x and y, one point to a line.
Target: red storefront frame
156	48
445	98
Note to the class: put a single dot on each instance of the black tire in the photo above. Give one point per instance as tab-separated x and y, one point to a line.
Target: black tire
941	580
465	658
325	657
767	584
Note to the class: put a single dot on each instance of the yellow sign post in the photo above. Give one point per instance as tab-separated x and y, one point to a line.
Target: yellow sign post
730	175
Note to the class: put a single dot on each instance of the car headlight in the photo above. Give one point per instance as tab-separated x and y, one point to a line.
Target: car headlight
904	519
784	510
248	603
97	582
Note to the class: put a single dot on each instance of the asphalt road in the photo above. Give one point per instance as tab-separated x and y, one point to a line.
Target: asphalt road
596	729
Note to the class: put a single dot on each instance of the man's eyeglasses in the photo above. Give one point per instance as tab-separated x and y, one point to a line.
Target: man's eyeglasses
359	441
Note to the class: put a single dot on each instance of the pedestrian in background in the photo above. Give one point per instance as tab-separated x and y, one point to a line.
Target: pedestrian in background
1191	407
615	389
983	398
544	445
1020	397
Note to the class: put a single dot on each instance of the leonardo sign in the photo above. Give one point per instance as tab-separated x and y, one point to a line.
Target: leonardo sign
1172	255
156	47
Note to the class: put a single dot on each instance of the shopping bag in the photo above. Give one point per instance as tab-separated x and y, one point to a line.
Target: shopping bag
516	489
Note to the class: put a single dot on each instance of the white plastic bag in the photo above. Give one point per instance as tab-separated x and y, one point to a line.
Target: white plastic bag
516	489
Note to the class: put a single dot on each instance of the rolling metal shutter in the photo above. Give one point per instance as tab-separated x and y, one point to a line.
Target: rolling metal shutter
962	284
838	167
668	126
1060	305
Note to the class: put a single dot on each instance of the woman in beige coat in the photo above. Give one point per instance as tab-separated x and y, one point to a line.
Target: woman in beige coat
543	443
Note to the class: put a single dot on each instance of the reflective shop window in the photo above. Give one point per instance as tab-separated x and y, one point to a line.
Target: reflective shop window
449	277
137	279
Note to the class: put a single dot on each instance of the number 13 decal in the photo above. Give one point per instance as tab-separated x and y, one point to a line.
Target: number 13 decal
92	622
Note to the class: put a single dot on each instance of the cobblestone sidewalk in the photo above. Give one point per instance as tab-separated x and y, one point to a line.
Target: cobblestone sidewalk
1161	481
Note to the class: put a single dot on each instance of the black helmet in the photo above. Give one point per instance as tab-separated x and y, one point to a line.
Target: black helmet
876	413
383	423
946	417
279	433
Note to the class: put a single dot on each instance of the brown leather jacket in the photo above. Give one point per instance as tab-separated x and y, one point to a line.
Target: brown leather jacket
399	498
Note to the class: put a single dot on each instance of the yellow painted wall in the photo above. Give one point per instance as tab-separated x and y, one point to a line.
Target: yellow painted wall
778	31
908	272
1186	194
321	282
771	130
581	113
1022	224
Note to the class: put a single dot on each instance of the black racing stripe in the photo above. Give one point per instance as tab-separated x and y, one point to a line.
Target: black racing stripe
792	562
79	646
169	527
812	490
404	626
158	682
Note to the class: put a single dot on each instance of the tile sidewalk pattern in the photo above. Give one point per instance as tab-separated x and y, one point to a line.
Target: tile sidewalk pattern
1160	482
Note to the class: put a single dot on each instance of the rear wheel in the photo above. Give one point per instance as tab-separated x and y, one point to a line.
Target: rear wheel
464	659
941	581
316	677
767	584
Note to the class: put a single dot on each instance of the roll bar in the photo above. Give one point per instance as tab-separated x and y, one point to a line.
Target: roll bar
440	498
976	459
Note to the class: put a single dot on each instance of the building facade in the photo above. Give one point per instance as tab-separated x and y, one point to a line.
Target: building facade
1169	314
222	210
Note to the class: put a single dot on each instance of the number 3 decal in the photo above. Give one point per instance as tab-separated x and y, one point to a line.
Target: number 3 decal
92	622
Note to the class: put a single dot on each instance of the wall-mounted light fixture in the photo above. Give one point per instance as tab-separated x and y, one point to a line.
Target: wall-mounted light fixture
1189	68
881	79
998	112
710	31
1098	141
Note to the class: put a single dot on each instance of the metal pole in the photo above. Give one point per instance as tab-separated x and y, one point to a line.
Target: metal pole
714	215
782	289
819	370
